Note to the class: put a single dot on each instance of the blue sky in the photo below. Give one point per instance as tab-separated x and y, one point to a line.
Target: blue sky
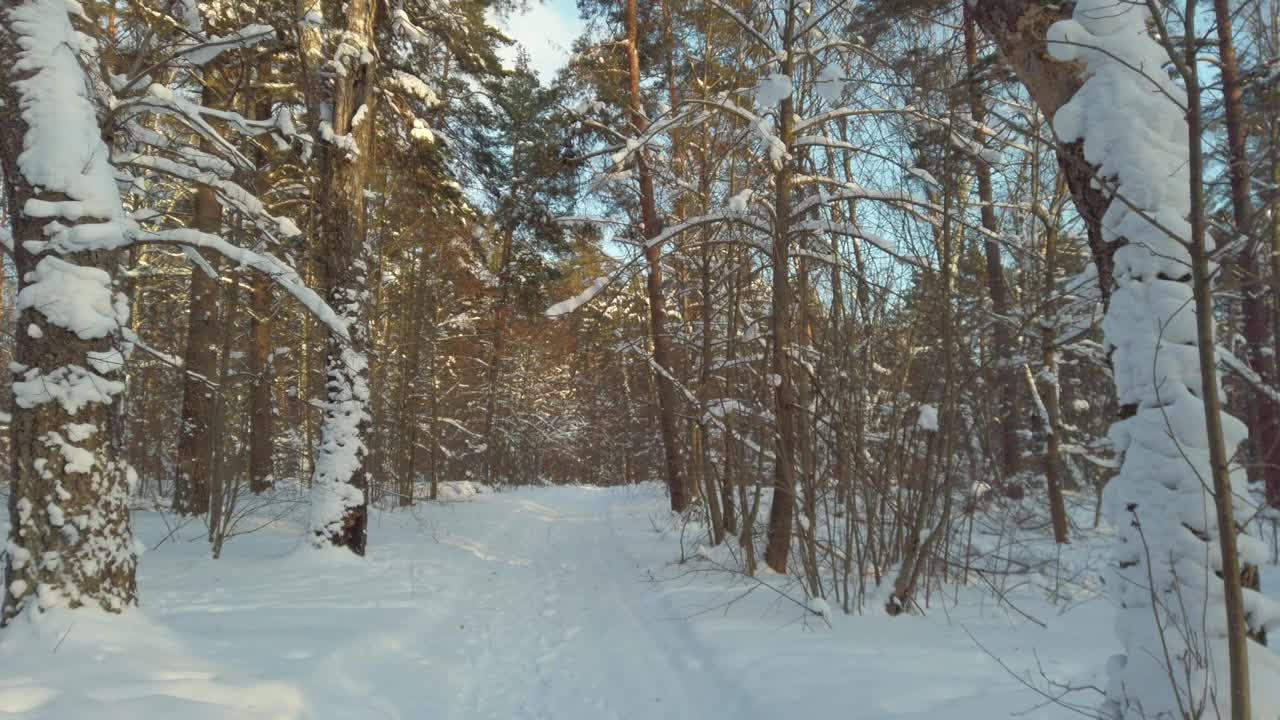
546	31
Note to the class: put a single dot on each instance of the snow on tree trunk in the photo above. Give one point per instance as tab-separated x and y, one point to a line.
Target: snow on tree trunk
69	541
339	501
1172	617
339	510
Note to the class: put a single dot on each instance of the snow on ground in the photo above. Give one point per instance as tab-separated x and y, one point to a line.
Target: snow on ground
548	603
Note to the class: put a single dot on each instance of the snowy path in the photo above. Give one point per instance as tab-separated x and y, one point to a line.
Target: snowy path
564	626
537	604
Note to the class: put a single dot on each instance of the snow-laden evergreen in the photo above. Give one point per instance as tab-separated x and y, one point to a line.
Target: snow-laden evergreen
1172	620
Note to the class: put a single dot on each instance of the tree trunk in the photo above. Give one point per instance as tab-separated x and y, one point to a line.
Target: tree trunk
1018	28
380	319
784	482
500	313
340	500
223	476
1273	244
1264	417
69	534
408	470
1052	397
703	430
433	455
195	439
200	359
734	465
261	427
805	435
1006	374
662	355
261	368
1202	284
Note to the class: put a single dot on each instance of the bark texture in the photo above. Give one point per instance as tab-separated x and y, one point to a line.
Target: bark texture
1018	28
261	367
340	502
69	542
200	359
783	506
663	357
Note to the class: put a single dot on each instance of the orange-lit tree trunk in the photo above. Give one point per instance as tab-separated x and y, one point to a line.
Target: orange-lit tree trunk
652	226
1264	418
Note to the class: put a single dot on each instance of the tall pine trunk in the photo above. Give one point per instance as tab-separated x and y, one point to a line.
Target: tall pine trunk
200	359
412	388
501	311
784	480
1264	417
69	536
662	354
261	367
340	499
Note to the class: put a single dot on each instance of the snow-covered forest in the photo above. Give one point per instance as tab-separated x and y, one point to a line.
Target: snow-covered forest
758	359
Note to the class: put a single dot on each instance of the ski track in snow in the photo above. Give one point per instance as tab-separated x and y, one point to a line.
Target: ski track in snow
538	604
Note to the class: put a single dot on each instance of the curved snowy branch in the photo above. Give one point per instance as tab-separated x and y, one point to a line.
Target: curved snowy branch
280	272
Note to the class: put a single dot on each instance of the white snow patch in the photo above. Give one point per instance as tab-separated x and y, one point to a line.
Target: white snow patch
773	89
928	419
564	307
